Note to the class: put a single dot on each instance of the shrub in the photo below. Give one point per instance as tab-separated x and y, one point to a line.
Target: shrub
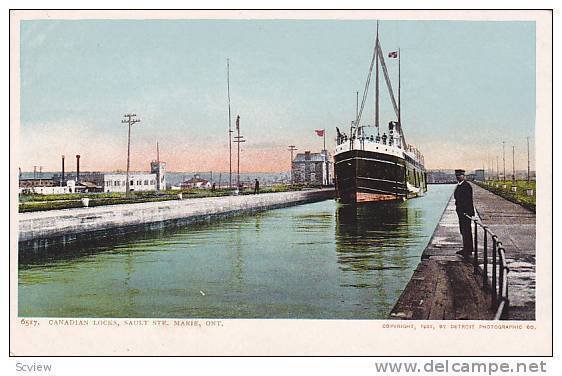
520	197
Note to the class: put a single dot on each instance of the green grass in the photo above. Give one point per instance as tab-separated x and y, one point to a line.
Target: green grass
519	197
68	196
32	206
37	202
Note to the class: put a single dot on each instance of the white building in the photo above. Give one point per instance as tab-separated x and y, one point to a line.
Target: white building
138	182
159	168
50	190
196	182
100	182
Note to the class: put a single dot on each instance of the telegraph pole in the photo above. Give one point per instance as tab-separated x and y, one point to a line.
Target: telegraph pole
229	125
129	120
503	147
291	149
513	161
497	168
238	140
528	162
62	172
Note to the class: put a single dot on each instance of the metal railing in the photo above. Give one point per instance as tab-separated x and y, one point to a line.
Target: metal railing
498	279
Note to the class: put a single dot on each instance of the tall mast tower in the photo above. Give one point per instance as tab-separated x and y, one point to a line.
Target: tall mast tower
377	80
229	125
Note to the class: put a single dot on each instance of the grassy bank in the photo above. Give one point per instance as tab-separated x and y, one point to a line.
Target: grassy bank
520	196
37	202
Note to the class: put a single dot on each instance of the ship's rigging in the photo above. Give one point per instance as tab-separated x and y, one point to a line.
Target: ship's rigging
374	165
378	57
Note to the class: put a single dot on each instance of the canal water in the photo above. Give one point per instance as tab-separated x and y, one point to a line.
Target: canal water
314	261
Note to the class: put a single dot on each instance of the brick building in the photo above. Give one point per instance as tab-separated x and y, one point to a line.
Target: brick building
311	168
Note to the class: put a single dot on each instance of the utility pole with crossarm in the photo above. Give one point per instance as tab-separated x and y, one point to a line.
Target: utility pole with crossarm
238	139
130	120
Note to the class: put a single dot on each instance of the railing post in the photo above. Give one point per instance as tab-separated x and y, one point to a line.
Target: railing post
500	288
485	259
475	259
494	272
500	292
506	287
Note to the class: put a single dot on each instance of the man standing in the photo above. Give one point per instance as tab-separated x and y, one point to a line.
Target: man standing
464	204
257	187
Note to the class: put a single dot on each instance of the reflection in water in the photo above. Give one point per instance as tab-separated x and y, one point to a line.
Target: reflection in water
59	253
310	261
238	263
367	231
377	244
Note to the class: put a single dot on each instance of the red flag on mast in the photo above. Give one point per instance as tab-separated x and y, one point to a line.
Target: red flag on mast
319	132
393	54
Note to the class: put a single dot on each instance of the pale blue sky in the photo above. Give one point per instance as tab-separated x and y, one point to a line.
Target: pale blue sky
465	87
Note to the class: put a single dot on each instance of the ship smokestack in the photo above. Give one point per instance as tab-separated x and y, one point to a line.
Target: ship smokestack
77	168
62	173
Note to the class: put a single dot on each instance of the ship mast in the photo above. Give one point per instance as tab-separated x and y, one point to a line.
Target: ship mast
399	105
399	108
377	80
395	105
377	59
355	125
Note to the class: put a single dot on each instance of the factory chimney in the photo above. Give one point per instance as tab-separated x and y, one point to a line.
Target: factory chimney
77	168
62	175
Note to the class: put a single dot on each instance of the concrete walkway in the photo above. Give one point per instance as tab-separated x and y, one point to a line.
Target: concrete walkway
515	227
445	287
38	229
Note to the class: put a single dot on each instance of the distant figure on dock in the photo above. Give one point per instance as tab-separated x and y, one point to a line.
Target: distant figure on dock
464	204
257	187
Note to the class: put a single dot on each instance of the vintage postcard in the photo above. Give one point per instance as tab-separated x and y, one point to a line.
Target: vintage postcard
281	183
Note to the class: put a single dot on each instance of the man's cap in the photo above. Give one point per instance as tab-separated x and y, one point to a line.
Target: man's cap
459	172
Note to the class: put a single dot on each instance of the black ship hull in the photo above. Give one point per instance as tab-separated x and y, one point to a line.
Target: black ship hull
367	176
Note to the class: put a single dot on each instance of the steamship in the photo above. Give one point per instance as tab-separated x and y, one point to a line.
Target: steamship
374	164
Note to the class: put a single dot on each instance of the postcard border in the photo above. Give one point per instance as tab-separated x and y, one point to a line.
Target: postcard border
551	10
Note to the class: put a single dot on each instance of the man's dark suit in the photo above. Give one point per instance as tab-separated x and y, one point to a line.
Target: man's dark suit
464	204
